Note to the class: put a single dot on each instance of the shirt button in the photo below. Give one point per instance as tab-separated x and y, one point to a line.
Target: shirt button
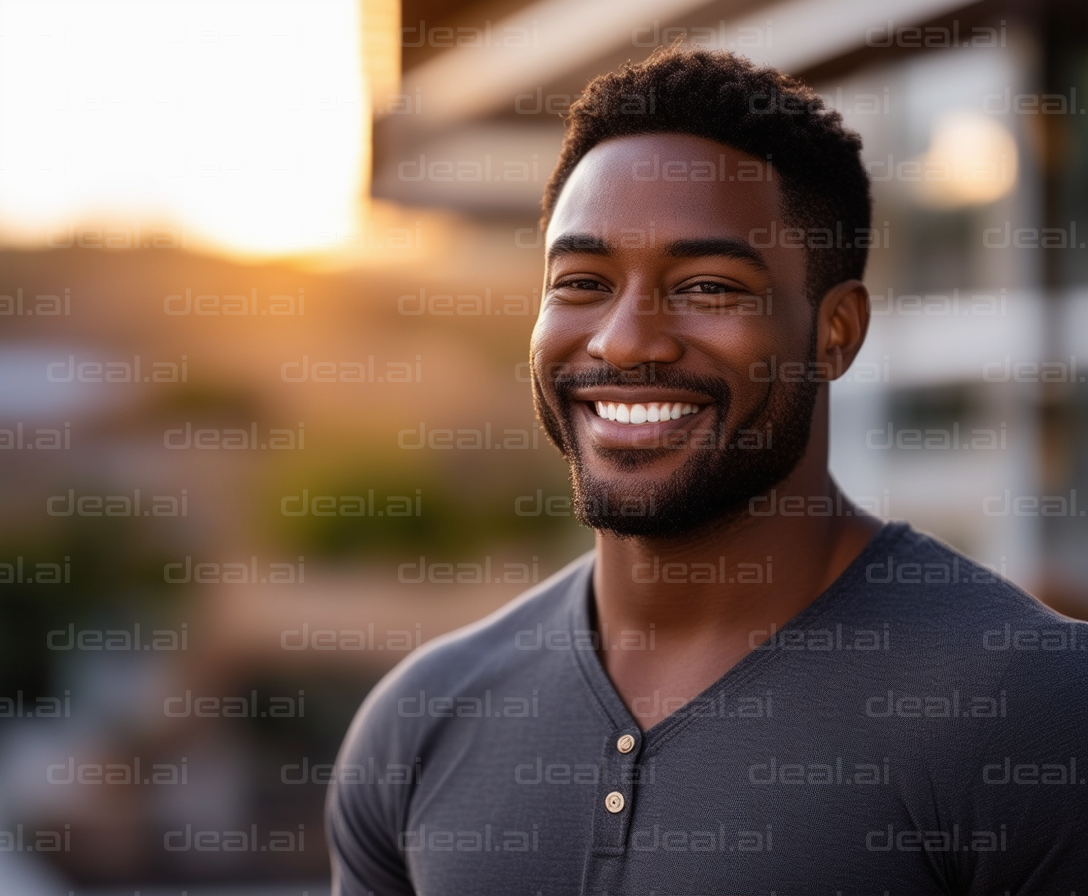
614	802
625	744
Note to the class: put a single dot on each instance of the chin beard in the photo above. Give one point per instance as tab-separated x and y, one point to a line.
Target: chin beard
716	484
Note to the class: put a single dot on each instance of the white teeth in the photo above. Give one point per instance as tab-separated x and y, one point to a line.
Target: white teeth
651	412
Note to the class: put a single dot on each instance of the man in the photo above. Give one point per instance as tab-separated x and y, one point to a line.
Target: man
751	685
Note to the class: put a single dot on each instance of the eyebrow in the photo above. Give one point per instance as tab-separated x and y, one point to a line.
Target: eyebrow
722	247
707	247
578	243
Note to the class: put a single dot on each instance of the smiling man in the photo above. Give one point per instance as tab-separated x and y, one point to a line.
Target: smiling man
751	685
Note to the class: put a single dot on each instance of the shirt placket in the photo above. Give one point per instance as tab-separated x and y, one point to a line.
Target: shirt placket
615	801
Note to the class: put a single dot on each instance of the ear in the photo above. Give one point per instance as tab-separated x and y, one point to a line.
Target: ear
841	324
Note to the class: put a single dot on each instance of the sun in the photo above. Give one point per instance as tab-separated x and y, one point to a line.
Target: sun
241	127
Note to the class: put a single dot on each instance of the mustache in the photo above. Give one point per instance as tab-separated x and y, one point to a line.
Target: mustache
565	381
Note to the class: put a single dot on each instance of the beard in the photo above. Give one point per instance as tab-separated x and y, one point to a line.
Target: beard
715	485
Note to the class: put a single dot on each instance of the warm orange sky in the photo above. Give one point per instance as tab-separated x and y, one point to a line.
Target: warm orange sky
244	122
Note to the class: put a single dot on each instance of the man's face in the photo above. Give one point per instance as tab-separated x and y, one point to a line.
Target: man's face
657	357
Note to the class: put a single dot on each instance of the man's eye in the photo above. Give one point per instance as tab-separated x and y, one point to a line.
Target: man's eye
579	284
709	287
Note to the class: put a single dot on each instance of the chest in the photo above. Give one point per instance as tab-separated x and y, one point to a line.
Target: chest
735	802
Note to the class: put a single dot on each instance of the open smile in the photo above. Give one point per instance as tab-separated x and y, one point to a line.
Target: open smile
651	412
618	417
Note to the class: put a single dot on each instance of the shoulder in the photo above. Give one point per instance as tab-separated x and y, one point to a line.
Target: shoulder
487	648
928	579
955	617
412	716
488	654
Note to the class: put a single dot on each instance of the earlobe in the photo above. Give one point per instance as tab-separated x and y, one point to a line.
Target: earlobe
843	321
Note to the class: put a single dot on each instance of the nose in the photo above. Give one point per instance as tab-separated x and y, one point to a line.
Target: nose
635	331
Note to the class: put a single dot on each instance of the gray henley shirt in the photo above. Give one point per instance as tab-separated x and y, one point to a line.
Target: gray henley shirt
921	727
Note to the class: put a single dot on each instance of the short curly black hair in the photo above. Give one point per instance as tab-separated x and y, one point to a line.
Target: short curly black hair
759	111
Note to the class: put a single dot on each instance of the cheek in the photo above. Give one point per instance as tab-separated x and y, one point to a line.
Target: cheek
732	343
749	335
743	350
546	351
555	338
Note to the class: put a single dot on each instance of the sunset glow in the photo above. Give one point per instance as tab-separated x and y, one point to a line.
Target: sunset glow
237	127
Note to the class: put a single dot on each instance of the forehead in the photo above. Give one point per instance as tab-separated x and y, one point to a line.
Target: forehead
675	183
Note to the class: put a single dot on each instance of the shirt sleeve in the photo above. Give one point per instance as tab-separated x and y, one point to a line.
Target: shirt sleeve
1027	800
368	798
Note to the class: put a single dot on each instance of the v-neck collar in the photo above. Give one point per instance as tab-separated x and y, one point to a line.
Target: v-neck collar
608	699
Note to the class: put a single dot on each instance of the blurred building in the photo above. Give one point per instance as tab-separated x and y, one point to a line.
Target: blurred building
971	120
225	510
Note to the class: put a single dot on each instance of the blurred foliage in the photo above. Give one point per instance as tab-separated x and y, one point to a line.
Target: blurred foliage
113	572
444	520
